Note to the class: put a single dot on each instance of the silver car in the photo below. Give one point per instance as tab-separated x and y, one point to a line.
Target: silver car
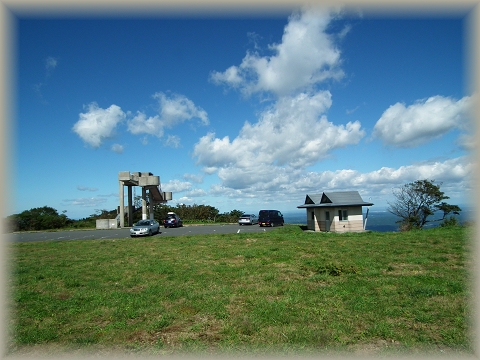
248	219
144	228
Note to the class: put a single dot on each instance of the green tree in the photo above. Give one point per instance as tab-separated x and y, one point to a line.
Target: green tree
41	218
236	214
230	217
417	201
104	214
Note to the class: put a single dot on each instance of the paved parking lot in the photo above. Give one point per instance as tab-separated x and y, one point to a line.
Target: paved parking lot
125	233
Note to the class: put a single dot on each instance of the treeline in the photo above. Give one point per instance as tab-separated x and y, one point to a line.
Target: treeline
48	218
42	218
195	213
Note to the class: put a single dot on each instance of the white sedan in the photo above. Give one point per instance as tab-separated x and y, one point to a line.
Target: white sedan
145	227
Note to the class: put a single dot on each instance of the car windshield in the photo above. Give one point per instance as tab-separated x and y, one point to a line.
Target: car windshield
143	222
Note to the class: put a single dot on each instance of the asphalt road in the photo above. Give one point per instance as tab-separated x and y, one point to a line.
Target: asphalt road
125	233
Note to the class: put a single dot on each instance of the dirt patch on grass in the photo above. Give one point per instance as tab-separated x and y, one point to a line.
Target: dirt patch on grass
374	347
404	270
204	328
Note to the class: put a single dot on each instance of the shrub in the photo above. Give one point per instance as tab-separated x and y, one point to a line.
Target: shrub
451	221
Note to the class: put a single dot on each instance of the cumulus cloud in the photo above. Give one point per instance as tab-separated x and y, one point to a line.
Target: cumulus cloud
173	111
196	193
403	126
292	132
97	124
177	186
184	200
451	170
306	56
268	159
140	124
291	185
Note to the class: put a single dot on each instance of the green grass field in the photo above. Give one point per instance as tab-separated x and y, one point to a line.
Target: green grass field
284	291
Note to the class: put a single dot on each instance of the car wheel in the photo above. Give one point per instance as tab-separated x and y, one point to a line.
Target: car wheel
150	232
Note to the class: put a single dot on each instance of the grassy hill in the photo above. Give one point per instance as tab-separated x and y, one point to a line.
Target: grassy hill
284	291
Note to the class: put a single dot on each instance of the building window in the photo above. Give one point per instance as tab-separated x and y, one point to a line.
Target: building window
313	215
342	215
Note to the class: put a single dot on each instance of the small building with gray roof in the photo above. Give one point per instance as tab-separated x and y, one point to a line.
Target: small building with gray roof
335	211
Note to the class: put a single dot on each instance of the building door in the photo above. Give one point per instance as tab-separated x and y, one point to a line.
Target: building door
327	220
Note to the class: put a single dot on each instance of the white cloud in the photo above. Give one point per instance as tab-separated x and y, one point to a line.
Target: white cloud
194	178
85	202
172	141
467	141
144	140
110	195
306	56
290	186
452	170
266	161
50	63
293	132
140	124
98	124
85	188
184	200
173	111
210	170
177	109
177	186
117	148
196	193
422	121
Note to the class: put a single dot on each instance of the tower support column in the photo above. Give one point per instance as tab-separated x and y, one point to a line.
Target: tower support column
122	204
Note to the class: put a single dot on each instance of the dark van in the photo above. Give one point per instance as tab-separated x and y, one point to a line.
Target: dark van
270	218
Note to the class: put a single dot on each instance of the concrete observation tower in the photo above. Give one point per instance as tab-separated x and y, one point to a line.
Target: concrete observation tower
151	191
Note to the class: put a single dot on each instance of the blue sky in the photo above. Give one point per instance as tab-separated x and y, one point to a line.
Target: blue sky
243	112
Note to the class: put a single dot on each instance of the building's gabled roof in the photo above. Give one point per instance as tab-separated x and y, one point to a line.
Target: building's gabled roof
330	199
313	199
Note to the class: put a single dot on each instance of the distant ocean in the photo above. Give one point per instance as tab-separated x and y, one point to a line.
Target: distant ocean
381	221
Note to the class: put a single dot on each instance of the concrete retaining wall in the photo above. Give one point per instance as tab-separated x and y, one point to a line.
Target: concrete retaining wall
106	224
